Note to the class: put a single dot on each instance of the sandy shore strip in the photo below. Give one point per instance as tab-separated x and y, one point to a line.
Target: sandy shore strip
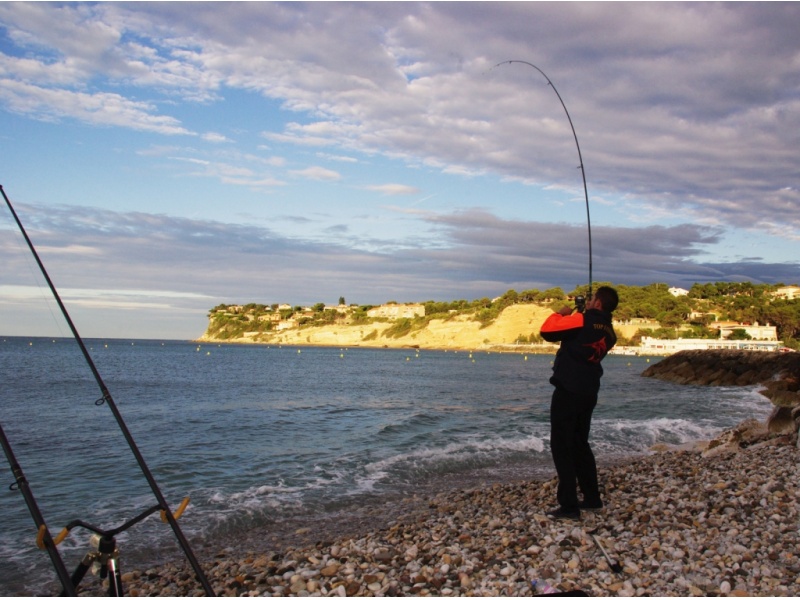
677	523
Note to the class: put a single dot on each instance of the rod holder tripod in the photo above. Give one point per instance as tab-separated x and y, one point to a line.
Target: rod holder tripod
103	562
104	559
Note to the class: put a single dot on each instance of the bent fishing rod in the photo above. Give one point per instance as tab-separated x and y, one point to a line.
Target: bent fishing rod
580	158
107	399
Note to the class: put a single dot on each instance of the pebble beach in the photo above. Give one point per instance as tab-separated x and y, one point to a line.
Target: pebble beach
676	523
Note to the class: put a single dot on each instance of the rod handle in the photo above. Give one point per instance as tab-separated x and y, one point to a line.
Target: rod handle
56	540
177	514
40	537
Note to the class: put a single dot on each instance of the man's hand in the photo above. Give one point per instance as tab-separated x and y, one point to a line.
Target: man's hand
566	311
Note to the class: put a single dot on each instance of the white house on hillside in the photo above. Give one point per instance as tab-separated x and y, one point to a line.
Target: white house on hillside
755	331
675	291
789	292
397	311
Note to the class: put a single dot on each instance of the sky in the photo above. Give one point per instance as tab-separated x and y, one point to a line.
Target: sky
168	157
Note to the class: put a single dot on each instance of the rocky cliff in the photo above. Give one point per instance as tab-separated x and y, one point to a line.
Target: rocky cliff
458	332
779	374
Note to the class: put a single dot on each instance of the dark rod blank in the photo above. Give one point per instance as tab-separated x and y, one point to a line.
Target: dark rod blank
580	159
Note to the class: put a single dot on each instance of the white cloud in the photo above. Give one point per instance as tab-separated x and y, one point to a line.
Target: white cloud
337	157
76	249
317	173
302	140
394	189
96	109
215	137
252	174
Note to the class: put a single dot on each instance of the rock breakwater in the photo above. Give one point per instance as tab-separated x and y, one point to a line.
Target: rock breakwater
778	373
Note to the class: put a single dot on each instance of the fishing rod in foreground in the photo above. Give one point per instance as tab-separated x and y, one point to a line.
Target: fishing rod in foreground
579	301
44	539
108	552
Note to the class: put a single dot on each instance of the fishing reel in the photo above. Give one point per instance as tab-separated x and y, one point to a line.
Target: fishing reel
580	303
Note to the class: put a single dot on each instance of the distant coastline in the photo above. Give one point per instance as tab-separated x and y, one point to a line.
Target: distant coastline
457	333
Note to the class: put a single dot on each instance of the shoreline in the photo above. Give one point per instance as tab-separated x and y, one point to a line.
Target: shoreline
679	522
534	349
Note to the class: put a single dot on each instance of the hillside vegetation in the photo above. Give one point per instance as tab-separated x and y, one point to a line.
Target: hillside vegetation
513	318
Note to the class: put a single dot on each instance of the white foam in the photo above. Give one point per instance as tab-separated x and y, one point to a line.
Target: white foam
639	435
430	458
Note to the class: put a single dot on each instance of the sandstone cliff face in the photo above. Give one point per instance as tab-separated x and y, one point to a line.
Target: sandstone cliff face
778	373
460	332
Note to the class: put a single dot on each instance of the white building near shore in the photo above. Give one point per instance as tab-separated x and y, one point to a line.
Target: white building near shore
651	345
755	331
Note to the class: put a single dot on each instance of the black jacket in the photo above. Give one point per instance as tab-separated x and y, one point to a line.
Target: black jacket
585	340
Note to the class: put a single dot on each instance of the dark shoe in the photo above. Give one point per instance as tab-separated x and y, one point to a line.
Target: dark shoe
593	506
562	513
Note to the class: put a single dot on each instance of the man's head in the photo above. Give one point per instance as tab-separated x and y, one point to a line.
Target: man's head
607	297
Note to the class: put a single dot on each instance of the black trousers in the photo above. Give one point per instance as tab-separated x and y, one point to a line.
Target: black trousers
570	421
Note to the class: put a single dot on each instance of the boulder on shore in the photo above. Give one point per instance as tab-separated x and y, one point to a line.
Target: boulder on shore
779	373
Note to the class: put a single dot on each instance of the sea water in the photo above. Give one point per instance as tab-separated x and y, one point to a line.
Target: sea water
259	435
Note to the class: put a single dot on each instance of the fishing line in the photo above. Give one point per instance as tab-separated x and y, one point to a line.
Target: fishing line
580	159
166	514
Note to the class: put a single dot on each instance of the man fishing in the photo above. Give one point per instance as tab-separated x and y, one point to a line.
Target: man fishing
586	337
